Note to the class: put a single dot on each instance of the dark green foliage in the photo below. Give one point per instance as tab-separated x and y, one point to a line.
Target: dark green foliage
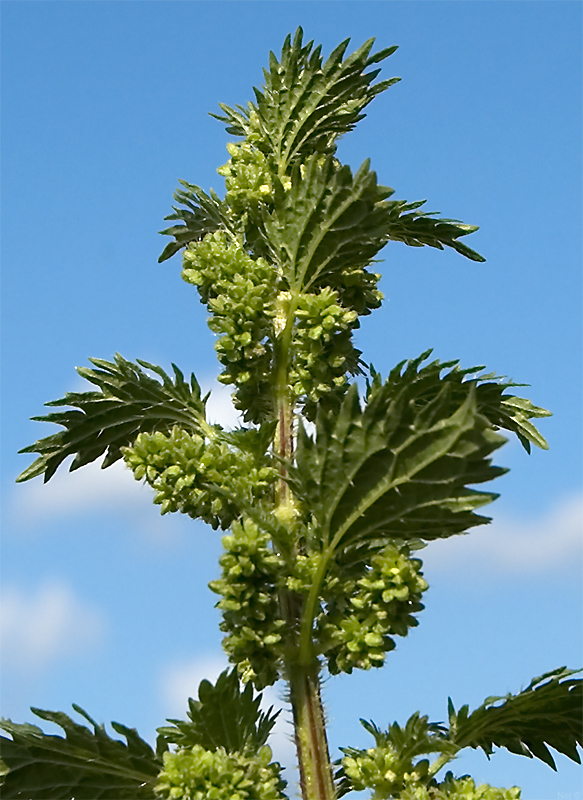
202	214
223	716
416	229
548	713
397	469
502	410
306	104
128	402
400	468
283	177
84	764
310	233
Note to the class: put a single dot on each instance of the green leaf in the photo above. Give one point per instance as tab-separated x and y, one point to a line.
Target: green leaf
311	231
306	103
201	215
502	410
83	765
129	402
545	714
401	467
419	229
223	716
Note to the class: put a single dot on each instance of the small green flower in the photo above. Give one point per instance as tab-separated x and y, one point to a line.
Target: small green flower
199	774
458	789
383	770
363	614
248	178
251	575
188	472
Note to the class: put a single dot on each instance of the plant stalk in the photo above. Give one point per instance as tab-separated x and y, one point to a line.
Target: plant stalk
316	780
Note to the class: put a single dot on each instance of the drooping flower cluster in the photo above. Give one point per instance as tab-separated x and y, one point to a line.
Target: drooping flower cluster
361	617
322	349
238	291
248	587
199	774
250	311
187	473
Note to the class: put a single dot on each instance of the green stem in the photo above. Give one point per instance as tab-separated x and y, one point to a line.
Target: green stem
315	769
439	763
316	781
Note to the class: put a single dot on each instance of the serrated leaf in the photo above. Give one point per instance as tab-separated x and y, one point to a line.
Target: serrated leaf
310	232
129	402
419	229
201	215
402	467
83	765
306	103
545	714
223	716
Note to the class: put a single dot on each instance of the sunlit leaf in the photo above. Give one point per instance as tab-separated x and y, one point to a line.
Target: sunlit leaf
128	402
545	714
223	716
85	764
198	214
306	102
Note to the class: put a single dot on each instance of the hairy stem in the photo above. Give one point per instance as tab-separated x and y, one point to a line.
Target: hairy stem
316	779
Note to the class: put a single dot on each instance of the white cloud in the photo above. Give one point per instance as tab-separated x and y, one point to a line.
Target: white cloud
89	489
219	408
180	681
37	629
513	545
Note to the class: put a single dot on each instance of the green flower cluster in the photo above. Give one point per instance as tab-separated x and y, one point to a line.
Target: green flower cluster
322	345
384	770
249	601
357	626
459	789
357	288
248	178
250	310
185	470
199	774
390	775
238	291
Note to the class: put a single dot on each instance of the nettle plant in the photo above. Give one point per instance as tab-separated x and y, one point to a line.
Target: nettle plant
328	495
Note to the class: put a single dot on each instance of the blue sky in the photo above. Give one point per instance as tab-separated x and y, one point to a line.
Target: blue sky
104	109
